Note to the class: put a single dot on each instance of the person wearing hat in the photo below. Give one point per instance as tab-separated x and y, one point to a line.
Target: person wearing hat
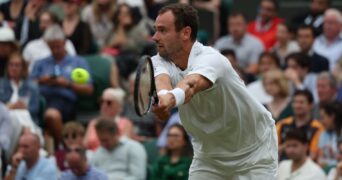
8	45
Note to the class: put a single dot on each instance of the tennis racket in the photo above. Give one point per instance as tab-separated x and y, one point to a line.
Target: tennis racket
145	94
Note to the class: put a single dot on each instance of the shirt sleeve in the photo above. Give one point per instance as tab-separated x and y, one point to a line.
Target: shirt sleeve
137	164
159	66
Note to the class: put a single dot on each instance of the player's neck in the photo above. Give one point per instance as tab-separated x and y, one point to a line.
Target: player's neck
181	59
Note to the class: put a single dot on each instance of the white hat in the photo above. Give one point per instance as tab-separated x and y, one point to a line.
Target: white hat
6	35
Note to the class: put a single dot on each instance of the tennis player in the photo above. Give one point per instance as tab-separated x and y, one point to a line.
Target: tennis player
234	136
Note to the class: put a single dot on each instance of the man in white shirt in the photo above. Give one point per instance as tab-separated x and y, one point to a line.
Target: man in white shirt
233	135
247	47
329	44
299	167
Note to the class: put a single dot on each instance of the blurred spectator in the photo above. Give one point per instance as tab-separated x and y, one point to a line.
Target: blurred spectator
17	91
297	71
176	162
111	108
231	56
336	172
12	10
331	119
265	25
54	77
8	45
77	31
144	127
27	164
326	91
302	120
247	47
299	166
119	158
267	61
329	44
79	167
305	39
276	85
27	26
38	49
99	16
284	45
5	129
313	17
73	134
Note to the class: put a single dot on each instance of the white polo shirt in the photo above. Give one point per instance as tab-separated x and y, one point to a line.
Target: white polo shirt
228	125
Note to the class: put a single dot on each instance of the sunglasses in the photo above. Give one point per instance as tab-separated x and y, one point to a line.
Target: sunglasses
72	135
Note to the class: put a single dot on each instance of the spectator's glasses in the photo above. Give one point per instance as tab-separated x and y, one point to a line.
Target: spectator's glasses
72	135
173	135
107	102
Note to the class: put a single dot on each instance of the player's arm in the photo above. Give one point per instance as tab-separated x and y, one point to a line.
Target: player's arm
163	81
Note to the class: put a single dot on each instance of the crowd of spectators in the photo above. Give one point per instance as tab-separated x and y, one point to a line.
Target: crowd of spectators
52	127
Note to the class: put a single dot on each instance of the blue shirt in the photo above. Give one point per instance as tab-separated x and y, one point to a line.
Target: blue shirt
332	51
91	174
42	170
48	66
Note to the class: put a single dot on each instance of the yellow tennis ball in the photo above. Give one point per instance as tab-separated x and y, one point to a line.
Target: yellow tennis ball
79	76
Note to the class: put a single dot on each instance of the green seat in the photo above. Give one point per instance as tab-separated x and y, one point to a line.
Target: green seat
41	112
100	71
151	150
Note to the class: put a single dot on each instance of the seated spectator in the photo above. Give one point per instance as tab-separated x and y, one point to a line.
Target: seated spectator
265	25
73	134
144	127
329	43
79	167
297	71
55	84
98	16
313	16
176	162
305	39
276	85
326	91
284	45
267	61
76	30
12	10
336	172
302	120
38	49
27	164
331	114
19	92
111	108
8	45
299	166
247	47
119	158
27	26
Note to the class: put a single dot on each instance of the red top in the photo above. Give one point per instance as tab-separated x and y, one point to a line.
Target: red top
268	36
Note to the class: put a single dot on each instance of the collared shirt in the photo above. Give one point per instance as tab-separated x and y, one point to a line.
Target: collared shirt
247	50
308	171
128	160
48	66
332	51
91	174
42	170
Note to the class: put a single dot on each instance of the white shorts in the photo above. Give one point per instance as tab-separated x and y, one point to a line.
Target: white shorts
259	164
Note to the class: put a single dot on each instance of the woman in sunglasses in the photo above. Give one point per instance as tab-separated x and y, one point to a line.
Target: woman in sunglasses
111	108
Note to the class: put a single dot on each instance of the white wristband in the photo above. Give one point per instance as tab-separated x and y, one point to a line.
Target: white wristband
179	96
163	92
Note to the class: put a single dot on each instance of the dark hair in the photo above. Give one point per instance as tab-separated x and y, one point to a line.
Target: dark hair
185	15
302	59
187	150
80	150
327	1
307	27
116	15
274	2
24	72
297	134
335	109
271	55
106	125
238	14
230	52
308	95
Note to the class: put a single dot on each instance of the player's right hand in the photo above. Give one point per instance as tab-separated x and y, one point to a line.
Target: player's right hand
162	109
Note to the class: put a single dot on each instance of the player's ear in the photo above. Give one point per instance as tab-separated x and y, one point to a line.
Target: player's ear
186	33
